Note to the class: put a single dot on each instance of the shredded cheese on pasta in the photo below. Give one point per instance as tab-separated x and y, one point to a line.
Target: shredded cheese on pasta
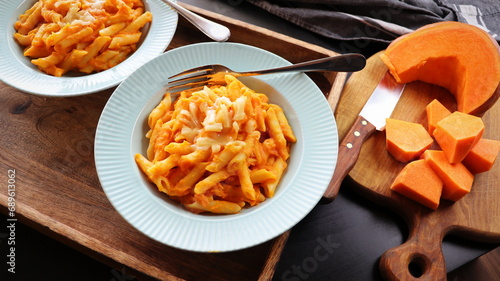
218	149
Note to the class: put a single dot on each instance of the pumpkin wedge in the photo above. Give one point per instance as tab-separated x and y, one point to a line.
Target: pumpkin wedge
457	56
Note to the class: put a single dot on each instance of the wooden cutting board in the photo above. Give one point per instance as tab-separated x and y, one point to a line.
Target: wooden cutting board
476	216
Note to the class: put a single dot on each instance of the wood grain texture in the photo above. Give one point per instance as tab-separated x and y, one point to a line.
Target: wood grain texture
50	144
475	217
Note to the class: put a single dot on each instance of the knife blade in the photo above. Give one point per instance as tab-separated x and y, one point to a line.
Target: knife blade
371	118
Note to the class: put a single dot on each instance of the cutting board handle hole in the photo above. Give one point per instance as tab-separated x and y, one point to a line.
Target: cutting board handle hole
418	265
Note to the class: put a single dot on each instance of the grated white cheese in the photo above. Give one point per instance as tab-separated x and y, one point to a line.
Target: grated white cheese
97	4
77	16
239	108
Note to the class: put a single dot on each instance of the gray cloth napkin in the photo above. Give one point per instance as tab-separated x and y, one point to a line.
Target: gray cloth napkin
381	20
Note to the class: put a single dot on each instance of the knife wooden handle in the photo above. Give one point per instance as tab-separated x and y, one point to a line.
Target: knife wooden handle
348	154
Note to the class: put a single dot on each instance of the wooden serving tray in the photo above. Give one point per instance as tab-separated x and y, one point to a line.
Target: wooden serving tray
49	142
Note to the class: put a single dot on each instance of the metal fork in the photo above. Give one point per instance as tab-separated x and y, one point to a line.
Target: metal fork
213	74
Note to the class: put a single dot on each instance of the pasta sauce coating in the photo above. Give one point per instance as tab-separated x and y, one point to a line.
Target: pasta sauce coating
81	35
217	150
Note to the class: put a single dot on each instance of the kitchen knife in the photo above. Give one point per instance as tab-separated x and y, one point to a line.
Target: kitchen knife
372	117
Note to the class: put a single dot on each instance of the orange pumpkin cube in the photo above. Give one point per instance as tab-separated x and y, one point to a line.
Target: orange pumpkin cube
457	133
419	182
406	141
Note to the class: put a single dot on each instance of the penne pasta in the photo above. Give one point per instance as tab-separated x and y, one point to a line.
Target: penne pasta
72	59
210	181
285	126
63	46
24	40
124	39
138	23
52	59
108	30
277	170
208	151
276	132
216	206
143	163
112	29
28	23
222	159
246	183
190	179
164	166
261	175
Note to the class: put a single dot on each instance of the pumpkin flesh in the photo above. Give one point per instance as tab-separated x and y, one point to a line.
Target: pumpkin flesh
459	57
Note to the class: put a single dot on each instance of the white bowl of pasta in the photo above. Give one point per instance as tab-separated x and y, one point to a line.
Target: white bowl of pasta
70	47
209	212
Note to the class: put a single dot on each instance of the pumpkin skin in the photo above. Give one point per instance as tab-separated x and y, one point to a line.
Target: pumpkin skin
457	56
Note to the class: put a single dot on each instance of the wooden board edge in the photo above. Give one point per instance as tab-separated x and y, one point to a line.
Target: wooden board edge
274	256
335	93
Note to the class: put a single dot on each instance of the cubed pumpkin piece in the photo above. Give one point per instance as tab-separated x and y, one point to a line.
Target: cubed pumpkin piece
457	180
406	141
419	182
482	156
436	112
457	133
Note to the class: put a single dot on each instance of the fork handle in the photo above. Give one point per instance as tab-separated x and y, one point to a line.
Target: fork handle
340	63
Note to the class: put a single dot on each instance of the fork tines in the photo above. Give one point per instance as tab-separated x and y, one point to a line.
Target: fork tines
206	68
187	83
195	77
